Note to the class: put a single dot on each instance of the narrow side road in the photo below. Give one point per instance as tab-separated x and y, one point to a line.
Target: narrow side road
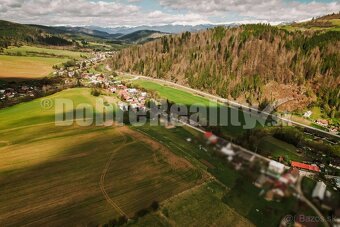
310	204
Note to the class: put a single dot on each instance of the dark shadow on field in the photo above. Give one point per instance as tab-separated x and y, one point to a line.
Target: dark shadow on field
70	185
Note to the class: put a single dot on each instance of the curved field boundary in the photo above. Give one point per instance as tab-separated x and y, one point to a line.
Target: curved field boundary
102	179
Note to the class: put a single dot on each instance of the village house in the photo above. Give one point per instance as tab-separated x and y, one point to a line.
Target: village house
113	89
291	177
308	114
319	191
322	122
212	139
275	169
228	151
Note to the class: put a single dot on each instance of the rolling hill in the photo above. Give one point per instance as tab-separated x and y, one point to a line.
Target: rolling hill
141	36
13	33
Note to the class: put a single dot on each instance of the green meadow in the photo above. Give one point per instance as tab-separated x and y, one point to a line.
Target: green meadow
43	51
201	206
173	94
270	146
30	62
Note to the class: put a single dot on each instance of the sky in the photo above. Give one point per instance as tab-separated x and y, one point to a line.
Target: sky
116	13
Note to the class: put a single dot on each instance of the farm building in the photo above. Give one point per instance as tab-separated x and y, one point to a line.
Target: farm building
305	166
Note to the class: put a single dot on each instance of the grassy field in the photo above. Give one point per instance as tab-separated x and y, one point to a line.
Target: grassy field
139	175
244	197
27	67
275	148
47	52
174	95
79	175
28	62
236	118
316	113
201	206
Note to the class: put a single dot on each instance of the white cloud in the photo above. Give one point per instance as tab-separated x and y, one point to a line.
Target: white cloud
83	12
119	13
270	10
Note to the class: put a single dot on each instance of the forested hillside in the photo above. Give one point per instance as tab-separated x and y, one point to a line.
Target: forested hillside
15	34
253	63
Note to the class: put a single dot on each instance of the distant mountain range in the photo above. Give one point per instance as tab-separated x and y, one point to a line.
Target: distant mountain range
138	36
163	28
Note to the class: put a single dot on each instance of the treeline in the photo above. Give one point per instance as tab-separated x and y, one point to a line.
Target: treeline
239	62
44	40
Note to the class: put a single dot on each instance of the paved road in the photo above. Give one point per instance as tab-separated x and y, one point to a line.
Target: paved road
231	103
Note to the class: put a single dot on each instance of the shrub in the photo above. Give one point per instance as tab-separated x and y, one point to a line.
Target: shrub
96	92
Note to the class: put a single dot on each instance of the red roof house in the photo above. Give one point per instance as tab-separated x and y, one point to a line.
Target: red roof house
211	137
305	166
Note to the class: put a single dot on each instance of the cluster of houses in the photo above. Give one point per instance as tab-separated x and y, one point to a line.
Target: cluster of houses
19	91
83	65
276	180
97	80
131	98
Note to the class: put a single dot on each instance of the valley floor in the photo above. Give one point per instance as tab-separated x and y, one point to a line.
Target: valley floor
73	175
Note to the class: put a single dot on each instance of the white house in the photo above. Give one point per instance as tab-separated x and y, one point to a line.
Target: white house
276	168
132	90
308	114
227	150
319	191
